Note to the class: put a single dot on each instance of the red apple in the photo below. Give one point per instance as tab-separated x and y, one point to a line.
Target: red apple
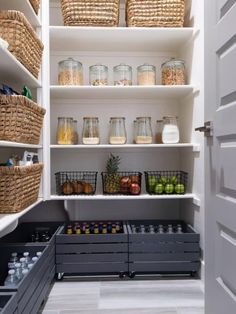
135	188
134	179
125	182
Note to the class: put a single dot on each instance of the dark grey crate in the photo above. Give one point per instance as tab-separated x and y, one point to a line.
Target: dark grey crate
92	254
8	302
163	253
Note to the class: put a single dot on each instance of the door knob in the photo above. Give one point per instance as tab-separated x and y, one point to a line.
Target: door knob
207	129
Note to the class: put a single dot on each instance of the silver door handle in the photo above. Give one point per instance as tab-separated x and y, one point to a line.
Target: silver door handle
207	129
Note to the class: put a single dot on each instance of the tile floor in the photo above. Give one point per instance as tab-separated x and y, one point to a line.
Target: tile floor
126	297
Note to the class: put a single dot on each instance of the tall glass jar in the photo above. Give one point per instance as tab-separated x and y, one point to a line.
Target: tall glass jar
98	75
122	75
117	135
75	133
173	72
70	72
159	128
144	131
146	74
65	131
91	131
170	133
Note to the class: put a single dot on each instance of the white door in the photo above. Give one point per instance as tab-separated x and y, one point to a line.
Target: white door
220	163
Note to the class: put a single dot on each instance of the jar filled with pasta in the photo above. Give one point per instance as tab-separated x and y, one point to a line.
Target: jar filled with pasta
65	131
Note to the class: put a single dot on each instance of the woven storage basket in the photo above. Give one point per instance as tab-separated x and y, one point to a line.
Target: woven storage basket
21	119
35	4
19	187
90	12
155	13
23	41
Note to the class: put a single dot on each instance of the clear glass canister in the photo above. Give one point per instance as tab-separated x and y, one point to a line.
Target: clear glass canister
91	131
143	131
70	72
75	138
159	128
122	75
98	75
173	72
117	135
170	133
146	74
65	131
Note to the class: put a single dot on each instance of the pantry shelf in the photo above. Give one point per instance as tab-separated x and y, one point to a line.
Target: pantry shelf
12	70
19	145
23	6
124	92
118	38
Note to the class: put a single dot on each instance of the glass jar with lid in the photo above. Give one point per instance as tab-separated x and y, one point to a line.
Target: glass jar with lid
122	75
98	75
70	72
91	131
170	132
65	131
143	131
117	135
159	128
146	74
173	72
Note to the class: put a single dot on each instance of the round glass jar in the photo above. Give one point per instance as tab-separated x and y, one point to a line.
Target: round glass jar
65	131
170	132
91	131
146	74
70	72
143	131
117	135
122	75
98	75
173	72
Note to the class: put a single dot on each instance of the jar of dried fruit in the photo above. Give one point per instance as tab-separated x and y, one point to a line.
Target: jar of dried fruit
98	75
70	72
173	72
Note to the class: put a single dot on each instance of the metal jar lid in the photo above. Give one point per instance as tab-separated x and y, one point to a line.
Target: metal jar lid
173	62
70	62
98	67
122	67
146	67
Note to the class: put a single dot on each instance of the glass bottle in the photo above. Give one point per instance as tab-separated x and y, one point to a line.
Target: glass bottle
173	72
159	132
144	130
75	138
117	135
11	280
98	75
170	133
70	72
122	75
65	131
146	74
91	131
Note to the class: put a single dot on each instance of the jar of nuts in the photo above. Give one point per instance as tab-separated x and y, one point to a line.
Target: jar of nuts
173	72
146	74
122	75
98	75
70	72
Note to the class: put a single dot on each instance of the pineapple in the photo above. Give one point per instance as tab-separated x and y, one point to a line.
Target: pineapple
112	178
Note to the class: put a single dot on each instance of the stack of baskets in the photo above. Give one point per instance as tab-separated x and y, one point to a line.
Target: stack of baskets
35	4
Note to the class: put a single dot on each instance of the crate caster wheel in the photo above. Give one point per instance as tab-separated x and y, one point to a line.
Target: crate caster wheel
121	275
60	276
132	274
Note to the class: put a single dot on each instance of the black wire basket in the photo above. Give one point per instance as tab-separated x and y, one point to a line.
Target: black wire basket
122	183
76	182
166	182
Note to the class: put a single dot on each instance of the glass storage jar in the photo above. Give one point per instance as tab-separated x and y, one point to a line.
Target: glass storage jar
159	128
146	74
143	131
70	72
117	135
170	133
173	72
75	138
122	75
65	131
98	75
91	131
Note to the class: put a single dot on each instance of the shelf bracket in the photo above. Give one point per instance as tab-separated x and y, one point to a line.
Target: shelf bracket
196	148
196	201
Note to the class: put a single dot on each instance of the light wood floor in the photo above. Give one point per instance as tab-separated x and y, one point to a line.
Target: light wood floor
126	297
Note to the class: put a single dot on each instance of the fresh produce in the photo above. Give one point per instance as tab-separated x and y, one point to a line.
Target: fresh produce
179	188
125	182
152	182
88	189
173	180
157	184
159	188
135	188
78	187
67	188
169	188
112	178
163	180
134	178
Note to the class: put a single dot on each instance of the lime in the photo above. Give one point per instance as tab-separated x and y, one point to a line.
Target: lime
159	188
163	180
180	188
173	180
169	188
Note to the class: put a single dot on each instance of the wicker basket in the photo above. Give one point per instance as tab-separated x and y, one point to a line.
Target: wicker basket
155	13
35	4
19	187
24	43
21	119
90	12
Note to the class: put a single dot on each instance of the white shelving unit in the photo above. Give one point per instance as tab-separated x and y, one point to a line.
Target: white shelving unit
19	145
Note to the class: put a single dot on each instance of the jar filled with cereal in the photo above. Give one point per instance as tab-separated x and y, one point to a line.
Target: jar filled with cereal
98	75
173	72
146	74
70	72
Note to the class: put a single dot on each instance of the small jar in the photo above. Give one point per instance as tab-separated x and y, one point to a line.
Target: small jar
117	134
170	133
75	138
65	131
91	131
173	72
146	74
122	75
70	72
144	131
98	75
159	128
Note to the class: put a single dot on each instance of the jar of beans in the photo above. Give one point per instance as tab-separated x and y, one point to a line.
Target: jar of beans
173	72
